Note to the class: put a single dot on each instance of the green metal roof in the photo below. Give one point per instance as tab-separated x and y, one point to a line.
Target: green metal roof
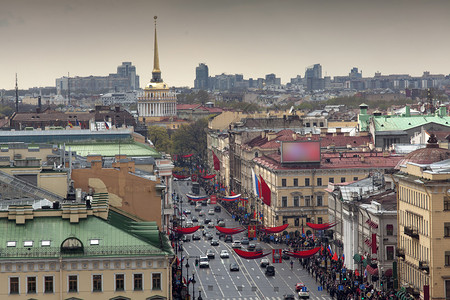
111	149
400	123
113	241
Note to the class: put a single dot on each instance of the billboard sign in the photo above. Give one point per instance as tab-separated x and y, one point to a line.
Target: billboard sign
300	152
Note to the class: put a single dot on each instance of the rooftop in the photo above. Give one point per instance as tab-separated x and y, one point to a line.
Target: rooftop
130	149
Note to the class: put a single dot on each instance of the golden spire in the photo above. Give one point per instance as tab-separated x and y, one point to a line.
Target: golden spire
156	73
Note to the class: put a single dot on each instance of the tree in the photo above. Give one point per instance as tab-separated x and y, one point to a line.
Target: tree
160	138
191	139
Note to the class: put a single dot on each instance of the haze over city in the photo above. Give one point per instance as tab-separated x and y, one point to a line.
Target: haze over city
44	40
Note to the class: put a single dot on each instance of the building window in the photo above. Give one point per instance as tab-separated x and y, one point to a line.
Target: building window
308	124
295	181
137	279
296	201
321	124
315	124
319	181
319	201
96	283
284	201
31	285
120	282
283	182
48	284
285	220
342	179
319	220
13	285
389	229
390	252
307	200
306	181
73	283
447	258
297	222
447	289
446	229
355	178
331	180
156	281
446	203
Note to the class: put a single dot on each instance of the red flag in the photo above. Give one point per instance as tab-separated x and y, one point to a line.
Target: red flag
335	257
374	243
251	231
266	192
216	162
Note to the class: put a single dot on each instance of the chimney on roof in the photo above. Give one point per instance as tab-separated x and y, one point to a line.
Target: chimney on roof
294	136
271	136
323	131
338	130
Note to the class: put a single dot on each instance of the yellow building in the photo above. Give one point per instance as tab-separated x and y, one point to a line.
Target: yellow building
157	102
424	222
79	252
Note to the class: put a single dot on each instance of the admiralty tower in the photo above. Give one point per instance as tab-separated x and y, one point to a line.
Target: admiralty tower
156	102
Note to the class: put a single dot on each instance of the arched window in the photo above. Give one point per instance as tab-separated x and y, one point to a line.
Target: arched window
72	245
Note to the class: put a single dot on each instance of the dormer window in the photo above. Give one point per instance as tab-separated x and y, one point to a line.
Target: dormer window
45	243
72	245
11	244
28	244
94	242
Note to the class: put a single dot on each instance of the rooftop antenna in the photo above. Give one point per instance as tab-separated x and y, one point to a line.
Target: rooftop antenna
17	96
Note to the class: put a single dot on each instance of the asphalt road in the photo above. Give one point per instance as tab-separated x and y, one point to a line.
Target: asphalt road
250	282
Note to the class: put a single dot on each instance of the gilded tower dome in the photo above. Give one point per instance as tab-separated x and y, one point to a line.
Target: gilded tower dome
156	83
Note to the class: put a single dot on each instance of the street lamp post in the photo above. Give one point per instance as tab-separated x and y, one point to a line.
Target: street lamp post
193	285
199	293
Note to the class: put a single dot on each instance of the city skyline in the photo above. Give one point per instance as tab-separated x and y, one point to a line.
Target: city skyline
48	39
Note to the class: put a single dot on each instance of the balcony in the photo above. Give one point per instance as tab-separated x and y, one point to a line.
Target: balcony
423	265
400	252
412	232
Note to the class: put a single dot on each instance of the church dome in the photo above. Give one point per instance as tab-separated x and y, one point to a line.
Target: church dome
425	156
157	86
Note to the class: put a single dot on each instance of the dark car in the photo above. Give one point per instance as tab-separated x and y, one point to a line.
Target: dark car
195	237
245	241
194	219
228	239
208	236
285	256
234	267
204	203
217	208
289	297
210	253
214	242
270	271
207	221
251	246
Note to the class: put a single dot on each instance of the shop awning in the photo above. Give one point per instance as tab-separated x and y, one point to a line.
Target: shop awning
372	271
368	242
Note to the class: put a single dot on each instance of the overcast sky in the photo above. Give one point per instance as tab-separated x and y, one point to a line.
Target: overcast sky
42	40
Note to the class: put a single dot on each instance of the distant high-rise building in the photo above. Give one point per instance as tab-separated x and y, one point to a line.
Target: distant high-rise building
124	80
355	74
201	77
313	78
271	79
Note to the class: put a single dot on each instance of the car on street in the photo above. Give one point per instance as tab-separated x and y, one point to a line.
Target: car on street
299	286
204	261
245	241
201	213
224	254
204	203
270	271
187	211
198	207
258	248
217	208
289	297
210	254
211	212
208	236
186	238
303	293
251	246
214	242
207	220
236	245
264	262
284	255
189	224
195	237
234	267
210	225
194	219
204	231
221	224
228	239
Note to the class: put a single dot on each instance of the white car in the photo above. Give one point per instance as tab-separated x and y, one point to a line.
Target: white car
236	244
224	254
211	212
204	261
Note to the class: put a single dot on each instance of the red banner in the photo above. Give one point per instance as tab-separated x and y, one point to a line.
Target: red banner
250	254
230	231
324	226
213	199
374	243
216	162
276	256
303	254
251	231
274	229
